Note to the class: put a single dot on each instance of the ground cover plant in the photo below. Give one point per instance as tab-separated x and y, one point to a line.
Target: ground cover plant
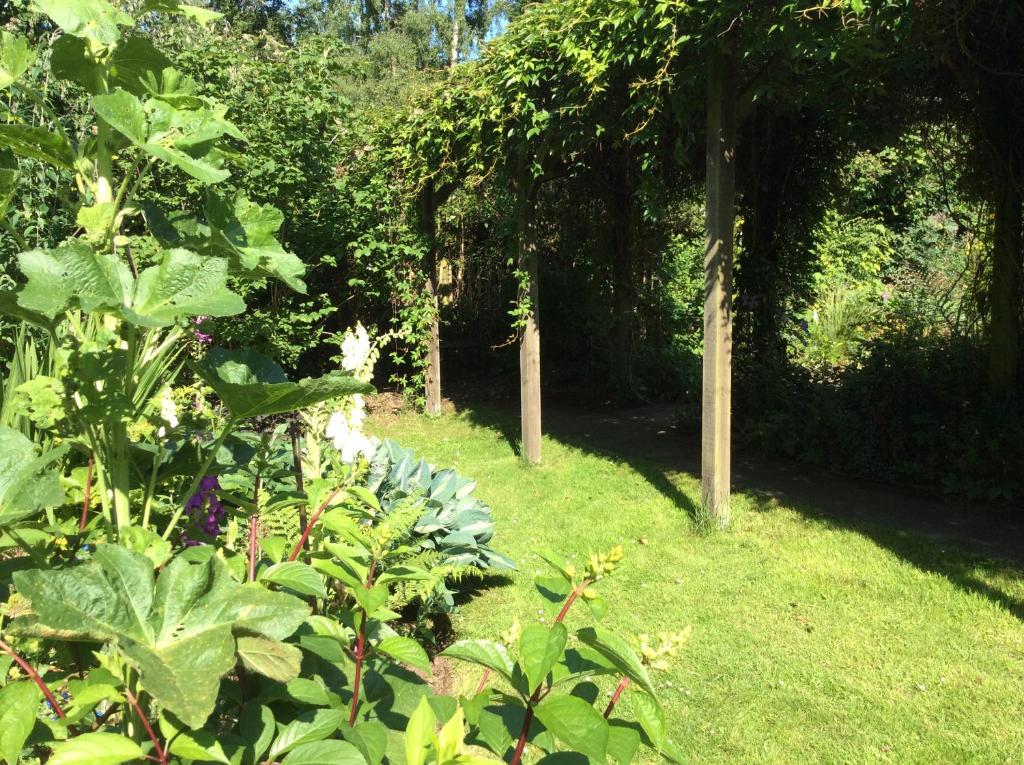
809	640
167	595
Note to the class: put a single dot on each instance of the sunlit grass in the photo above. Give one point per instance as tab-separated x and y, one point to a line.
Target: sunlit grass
811	643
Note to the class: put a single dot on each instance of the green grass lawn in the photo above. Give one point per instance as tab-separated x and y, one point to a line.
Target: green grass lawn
811	643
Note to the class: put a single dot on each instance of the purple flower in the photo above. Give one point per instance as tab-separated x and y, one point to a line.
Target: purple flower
203	337
205	510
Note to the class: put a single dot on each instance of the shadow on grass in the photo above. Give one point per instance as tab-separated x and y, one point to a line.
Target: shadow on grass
507	424
963	543
957	566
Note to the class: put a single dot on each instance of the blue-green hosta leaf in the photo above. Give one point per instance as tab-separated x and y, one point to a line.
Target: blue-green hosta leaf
19	703
96	749
38	143
27	484
73	271
577	723
247	231
180	634
250	384
95	19
16	56
540	648
183	284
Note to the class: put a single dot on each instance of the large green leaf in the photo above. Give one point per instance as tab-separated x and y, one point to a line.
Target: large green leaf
73	271
486	653
247	231
183	284
194	12
133	62
96	749
405	650
324	753
179	632
38	143
307	727
9	175
183	138
577	723
16	56
296	576
251	385
95	19
617	651
19	703
271	658
540	648
27	485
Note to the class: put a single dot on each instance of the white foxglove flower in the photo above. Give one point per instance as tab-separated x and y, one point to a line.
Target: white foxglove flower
348	438
168	413
355	348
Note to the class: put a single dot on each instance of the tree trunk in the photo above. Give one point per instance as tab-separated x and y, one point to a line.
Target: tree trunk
721	192
1005	287
428	229
453	58
622	204
529	346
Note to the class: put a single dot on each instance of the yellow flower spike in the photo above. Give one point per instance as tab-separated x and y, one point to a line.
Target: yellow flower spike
616	554
589	594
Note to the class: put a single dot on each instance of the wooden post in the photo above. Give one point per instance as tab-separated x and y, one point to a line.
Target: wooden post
432	373
529	345
721	193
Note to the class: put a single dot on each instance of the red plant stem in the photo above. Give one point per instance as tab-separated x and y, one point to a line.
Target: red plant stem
160	753
30	670
528	719
252	548
572	598
360	651
483	680
312	522
88	496
623	685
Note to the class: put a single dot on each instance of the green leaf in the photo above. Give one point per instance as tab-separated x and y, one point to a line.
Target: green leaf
123	112
617	651
420	733
97	220
370	738
94	19
195	745
271	658
324	753
200	15
16	56
311	726
134	61
539	648
73	271
183	285
257	728
180	636
556	561
95	749
405	650
295	576
10	173
486	653
246	231
19	703
250	384
9	307
623	741
27	484
577	723
38	143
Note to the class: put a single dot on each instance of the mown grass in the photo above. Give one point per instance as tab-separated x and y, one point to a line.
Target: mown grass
812	643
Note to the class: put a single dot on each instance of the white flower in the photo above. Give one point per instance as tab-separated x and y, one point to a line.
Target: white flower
355	348
348	438
168	413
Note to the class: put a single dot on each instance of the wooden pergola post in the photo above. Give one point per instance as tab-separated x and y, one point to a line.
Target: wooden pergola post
718	257
432	373
529	344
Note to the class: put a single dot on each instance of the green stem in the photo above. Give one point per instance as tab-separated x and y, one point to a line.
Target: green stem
147	502
229	426
11	232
